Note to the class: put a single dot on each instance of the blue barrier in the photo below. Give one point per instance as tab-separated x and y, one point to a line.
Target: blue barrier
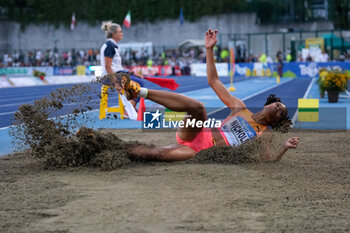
290	69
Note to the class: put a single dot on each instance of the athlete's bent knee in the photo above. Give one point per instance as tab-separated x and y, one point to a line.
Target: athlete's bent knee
199	110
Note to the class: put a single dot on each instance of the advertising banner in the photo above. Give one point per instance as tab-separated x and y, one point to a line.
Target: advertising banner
314	42
25	71
81	70
63	71
290	69
153	70
311	69
200	69
4	82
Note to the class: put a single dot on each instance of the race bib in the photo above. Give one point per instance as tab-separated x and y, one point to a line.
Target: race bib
237	131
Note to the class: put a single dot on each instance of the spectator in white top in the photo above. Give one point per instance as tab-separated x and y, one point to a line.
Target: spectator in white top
69	59
38	56
16	56
269	59
324	56
81	53
5	58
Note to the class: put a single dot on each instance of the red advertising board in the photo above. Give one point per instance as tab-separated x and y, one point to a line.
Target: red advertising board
153	70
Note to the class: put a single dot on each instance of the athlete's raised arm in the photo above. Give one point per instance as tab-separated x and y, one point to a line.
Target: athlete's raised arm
230	101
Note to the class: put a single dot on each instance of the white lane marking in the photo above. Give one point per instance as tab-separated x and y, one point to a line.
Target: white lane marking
294	118
66	115
207	97
17	104
309	88
7	113
258	93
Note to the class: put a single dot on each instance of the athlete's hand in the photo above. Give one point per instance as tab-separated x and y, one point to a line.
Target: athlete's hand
210	38
291	142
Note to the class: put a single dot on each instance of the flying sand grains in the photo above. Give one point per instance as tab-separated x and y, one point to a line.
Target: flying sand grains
245	153
55	141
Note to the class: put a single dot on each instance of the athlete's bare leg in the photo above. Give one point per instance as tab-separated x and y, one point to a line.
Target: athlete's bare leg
173	101
166	154
180	103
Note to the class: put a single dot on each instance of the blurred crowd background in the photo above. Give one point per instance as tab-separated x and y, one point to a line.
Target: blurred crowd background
255	46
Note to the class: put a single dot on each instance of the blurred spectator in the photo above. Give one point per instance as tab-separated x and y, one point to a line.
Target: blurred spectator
309	58
16	57
240	53
97	56
91	56
21	57
224	55
69	58
324	56
149	62
300	58
269	59
182	57
262	58
201	56
5	59
38	58
192	53
252	58
279	58
172	63
217	51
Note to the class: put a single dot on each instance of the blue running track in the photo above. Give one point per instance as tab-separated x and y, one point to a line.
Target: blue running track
12	98
289	92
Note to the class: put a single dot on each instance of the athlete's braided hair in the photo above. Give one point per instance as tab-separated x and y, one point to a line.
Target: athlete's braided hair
283	125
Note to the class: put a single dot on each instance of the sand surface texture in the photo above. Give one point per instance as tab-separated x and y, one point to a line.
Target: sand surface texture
307	191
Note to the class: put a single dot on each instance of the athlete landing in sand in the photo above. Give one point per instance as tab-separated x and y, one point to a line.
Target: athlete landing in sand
240	126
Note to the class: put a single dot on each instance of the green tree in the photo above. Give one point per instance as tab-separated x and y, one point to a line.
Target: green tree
341	14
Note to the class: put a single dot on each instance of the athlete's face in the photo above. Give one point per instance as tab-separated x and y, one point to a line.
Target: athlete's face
275	111
118	35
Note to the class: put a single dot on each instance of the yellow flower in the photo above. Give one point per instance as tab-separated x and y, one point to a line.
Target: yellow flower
333	80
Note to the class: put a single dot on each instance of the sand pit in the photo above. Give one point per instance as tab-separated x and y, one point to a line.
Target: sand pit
307	191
